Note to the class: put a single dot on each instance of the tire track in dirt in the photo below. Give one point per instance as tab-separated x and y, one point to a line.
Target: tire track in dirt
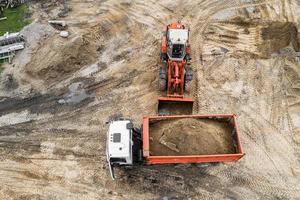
253	183
199	27
125	86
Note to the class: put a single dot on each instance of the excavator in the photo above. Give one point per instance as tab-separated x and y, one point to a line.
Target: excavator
176	74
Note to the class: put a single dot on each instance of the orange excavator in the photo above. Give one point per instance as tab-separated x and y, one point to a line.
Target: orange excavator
176	74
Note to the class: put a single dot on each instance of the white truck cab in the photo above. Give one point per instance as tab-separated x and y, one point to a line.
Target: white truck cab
119	144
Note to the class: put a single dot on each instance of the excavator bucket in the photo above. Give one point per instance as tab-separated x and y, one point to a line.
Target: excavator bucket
175	106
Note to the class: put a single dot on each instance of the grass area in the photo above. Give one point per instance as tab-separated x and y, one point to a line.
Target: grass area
15	19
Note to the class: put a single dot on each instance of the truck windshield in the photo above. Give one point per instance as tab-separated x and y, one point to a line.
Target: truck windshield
118	160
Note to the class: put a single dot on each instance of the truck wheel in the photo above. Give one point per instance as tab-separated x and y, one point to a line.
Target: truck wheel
187	85
163	57
162	84
188	74
137	131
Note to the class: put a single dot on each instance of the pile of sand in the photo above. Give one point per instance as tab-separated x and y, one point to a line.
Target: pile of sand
56	60
191	137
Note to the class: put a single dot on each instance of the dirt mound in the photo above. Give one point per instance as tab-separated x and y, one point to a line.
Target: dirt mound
57	60
258	38
190	137
276	35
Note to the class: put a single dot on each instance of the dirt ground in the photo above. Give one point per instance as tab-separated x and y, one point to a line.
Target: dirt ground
190	137
58	93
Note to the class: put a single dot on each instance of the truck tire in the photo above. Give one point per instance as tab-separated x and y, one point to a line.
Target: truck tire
137	131
187	86
163	57
162	82
188	76
188	57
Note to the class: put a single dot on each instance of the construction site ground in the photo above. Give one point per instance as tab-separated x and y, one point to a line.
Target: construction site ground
58	93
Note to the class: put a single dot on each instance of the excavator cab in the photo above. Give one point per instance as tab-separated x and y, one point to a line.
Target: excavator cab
177	40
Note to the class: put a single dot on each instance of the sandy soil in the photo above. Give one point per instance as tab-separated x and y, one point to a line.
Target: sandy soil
62	91
190	137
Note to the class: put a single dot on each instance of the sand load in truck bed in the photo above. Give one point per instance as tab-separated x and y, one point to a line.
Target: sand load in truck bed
191	137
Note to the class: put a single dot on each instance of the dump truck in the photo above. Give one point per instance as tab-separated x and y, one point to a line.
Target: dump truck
173	140
175	74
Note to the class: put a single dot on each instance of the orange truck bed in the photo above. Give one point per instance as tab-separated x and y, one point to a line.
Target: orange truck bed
169	159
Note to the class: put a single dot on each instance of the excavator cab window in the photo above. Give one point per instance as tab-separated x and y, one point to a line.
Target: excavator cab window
178	50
